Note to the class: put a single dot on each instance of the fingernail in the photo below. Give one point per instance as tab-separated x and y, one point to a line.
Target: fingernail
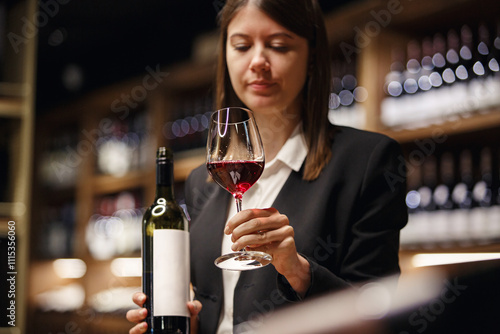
144	312
226	230
144	325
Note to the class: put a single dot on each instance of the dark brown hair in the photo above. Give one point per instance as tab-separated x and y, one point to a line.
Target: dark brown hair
304	18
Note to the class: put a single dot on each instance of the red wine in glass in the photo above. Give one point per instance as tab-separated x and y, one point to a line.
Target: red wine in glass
236	176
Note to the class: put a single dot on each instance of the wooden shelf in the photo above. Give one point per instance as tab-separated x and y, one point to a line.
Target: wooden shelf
107	184
472	248
4	227
10	209
463	124
185	162
12	89
11	107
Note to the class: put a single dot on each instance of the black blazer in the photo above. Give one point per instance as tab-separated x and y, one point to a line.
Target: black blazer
346	224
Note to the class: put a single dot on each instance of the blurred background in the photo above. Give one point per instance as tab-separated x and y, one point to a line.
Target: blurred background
89	90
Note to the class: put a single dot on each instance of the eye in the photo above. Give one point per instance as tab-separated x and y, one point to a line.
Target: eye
241	47
280	48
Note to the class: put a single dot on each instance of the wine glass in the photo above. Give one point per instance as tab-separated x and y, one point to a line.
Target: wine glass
235	161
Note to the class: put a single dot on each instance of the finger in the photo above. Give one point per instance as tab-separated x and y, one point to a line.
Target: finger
194	307
137	315
139	298
264	238
260	226
246	215
139	328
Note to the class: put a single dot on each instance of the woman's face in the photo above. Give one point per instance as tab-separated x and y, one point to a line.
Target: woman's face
267	63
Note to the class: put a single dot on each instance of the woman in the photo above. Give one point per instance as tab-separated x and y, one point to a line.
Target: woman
327	199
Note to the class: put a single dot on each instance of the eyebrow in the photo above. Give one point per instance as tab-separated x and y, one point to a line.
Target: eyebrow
278	34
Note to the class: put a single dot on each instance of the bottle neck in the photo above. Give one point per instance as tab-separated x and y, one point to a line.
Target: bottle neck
164	180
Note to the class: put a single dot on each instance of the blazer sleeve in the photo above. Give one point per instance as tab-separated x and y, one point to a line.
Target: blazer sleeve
378	215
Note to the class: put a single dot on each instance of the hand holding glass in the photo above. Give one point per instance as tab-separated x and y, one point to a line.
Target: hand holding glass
235	161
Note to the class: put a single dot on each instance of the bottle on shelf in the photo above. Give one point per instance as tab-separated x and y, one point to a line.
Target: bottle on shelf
456	77
410	235
483	195
441	218
346	96
411	112
463	199
165	255
452	57
393	87
427	205
58	232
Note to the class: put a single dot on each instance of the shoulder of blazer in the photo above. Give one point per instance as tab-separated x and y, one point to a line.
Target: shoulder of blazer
350	137
353	146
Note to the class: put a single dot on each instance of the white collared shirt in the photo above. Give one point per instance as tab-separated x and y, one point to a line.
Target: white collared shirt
261	195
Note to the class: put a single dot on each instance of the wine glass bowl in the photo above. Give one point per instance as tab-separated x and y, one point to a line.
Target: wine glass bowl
235	161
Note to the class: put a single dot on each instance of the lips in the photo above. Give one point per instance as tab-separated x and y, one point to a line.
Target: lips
261	85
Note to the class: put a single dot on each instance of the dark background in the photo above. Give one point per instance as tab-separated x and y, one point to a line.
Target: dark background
103	42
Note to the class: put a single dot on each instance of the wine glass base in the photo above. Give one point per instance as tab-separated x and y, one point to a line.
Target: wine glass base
243	260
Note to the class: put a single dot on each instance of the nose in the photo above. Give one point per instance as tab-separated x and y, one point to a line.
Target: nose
259	61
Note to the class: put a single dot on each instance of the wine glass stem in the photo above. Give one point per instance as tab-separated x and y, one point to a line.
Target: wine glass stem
238	204
238	209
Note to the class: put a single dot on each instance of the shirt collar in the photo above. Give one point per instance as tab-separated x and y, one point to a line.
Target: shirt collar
294	151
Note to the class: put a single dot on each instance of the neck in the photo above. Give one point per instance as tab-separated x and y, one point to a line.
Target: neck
275	128
164	180
165	192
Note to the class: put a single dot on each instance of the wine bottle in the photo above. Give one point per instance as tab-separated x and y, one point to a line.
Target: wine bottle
165	255
391	114
427	205
443	96
443	198
462	197
424	81
483	196
411	111
410	234
466	53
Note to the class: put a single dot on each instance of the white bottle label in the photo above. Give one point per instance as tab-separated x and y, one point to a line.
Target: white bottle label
171	275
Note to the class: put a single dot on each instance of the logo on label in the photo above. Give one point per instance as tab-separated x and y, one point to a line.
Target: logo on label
160	208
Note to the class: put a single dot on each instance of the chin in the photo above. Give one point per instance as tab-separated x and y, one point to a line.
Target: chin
263	105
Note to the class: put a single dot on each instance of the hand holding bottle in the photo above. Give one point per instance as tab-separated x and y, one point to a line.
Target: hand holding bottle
139	315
